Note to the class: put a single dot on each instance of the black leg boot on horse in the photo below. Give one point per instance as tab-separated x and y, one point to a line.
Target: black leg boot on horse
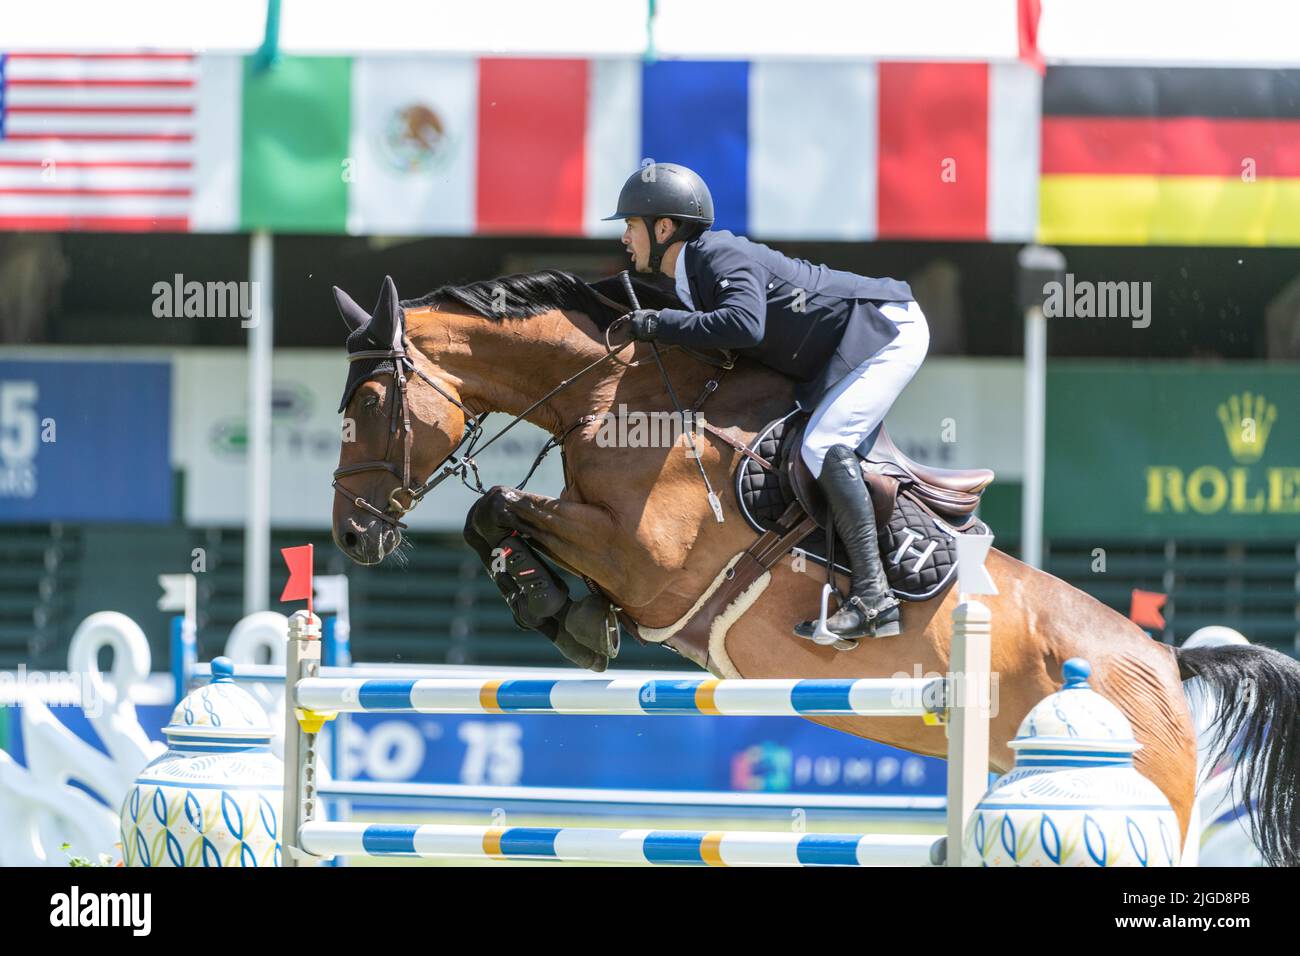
538	599
870	610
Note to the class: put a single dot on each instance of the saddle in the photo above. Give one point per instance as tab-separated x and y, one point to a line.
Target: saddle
920	510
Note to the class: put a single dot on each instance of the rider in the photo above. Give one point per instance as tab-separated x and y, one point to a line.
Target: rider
851	343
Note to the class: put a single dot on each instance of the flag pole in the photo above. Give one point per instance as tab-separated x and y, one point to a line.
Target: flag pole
257	526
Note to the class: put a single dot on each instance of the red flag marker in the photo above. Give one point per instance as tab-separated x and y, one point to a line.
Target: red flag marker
1145	609
298	587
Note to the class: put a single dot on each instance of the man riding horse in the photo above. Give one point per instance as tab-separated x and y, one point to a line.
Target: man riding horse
852	343
630	522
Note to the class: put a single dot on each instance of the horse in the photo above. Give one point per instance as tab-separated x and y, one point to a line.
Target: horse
634	522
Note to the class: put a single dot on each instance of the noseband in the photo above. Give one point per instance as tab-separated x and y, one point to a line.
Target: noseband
451	465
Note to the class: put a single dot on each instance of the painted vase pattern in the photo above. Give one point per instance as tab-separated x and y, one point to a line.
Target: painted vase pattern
215	797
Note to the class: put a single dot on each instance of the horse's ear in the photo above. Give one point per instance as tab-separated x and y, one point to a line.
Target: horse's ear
388	302
353	315
388	322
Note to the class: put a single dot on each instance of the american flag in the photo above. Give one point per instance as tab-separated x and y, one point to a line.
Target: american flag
100	141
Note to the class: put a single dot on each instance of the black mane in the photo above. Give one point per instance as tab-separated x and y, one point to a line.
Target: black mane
528	294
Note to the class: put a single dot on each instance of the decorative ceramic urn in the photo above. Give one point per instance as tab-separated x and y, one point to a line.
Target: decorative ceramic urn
1074	797
215	797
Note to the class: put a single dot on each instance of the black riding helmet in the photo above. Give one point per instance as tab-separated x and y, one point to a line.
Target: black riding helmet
666	189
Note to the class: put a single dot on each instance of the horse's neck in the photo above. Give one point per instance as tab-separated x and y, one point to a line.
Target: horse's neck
508	365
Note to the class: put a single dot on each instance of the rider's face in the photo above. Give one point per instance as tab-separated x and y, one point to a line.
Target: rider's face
637	243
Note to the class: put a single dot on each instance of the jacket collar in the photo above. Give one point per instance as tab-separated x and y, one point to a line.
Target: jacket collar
692	267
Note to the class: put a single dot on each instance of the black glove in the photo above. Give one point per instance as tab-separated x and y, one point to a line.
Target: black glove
644	323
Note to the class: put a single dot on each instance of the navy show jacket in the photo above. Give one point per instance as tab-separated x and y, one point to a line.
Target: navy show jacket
811	322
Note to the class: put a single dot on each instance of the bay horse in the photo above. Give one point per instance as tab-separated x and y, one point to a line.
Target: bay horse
635	521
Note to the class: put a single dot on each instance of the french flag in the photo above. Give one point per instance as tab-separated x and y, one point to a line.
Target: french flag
853	150
827	150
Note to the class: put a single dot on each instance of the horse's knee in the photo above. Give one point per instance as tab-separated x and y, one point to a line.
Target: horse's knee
491	516
477	542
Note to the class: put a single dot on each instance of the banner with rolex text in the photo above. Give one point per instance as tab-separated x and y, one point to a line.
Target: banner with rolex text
1195	451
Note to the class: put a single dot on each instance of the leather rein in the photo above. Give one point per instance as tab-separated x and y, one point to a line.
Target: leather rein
459	462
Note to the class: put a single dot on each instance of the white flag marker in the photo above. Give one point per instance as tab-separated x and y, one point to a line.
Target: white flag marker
178	592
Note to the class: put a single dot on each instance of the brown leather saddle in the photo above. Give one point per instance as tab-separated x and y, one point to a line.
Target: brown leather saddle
950	492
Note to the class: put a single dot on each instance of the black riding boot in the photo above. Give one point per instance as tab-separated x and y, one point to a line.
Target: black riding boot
871	610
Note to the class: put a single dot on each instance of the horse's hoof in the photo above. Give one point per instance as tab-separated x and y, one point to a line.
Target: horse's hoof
588	621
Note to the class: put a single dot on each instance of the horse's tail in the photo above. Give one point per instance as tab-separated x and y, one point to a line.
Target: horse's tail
1256	693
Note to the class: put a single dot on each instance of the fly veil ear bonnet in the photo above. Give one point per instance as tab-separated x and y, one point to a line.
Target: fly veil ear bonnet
382	333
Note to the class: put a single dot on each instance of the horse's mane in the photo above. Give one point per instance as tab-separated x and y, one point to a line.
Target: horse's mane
527	294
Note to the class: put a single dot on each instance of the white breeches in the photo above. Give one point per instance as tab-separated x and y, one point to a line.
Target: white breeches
856	406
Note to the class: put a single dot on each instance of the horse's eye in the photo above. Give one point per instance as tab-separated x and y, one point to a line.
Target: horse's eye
371	403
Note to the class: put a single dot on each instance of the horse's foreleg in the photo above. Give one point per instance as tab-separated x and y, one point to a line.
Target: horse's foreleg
585	538
508	527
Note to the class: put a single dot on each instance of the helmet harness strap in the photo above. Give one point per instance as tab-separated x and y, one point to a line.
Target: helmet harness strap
684	230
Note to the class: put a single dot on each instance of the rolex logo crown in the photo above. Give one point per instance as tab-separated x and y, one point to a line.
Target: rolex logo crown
1247	420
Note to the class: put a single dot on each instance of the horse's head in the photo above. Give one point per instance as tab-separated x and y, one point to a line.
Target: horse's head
401	420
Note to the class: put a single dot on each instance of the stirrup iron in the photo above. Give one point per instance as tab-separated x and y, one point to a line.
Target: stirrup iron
823	635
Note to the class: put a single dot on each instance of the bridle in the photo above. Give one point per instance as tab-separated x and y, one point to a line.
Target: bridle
459	462
455	463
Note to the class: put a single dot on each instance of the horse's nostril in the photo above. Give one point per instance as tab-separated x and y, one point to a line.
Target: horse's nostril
349	539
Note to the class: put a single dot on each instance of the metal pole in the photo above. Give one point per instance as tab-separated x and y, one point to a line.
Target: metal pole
261	334
1031	504
1040	277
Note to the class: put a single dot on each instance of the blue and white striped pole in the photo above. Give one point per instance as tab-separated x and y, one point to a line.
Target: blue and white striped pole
873	697
608	845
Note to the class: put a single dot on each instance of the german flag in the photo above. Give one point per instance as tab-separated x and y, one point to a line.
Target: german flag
1170	156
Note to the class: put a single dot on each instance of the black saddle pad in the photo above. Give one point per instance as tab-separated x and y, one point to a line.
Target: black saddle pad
918	546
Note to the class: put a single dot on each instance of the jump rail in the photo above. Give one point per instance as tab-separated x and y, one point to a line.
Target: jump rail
598	800
961	701
607	845
913	697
